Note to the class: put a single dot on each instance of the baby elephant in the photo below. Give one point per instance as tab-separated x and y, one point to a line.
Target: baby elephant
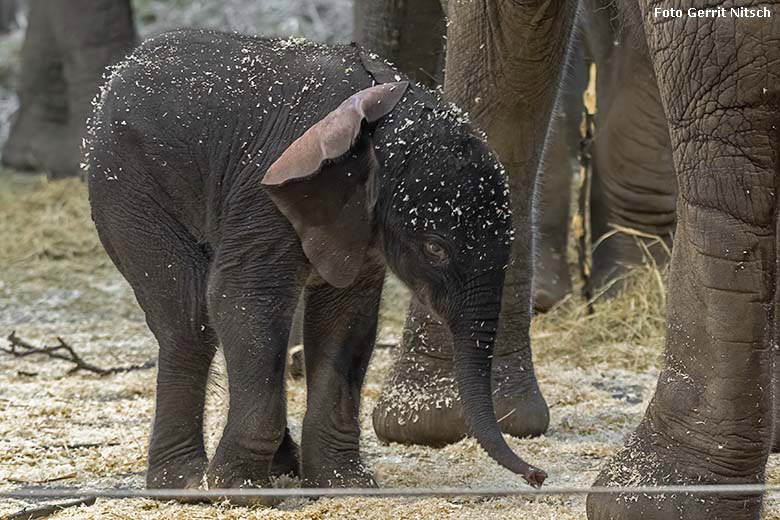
226	175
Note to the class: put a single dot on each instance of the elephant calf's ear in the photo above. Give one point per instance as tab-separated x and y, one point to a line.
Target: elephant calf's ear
321	183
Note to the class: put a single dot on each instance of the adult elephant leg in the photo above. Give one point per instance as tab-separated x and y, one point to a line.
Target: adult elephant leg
8	14
67	47
551	275
92	36
494	72
634	188
412	409
40	124
710	419
410	34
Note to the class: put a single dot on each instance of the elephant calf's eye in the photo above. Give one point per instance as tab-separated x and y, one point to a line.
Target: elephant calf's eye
436	253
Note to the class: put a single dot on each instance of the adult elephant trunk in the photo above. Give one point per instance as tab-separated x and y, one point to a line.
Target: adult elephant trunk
474	335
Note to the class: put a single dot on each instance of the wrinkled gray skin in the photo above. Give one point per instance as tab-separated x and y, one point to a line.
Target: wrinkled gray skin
423	369
185	131
633	187
67	46
552	280
711	419
633	184
633	173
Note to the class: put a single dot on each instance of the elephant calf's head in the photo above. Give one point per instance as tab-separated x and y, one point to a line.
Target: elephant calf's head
393	170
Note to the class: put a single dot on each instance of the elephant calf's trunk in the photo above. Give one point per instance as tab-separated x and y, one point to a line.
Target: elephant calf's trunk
472	372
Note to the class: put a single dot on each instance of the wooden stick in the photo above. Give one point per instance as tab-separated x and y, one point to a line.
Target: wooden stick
28	513
64	352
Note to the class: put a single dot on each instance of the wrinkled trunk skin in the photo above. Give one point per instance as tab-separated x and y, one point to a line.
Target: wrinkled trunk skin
409	34
473	348
420	402
710	419
66	50
633	184
494	72
473	335
493	50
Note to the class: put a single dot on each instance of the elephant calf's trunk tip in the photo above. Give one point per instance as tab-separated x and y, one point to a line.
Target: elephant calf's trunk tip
535	476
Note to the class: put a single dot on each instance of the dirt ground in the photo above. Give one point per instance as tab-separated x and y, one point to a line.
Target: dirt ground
597	372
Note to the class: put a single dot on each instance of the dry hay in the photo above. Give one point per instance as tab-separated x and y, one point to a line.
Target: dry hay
597	372
625	332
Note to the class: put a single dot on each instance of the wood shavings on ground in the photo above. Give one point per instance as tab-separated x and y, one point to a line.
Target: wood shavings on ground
596	371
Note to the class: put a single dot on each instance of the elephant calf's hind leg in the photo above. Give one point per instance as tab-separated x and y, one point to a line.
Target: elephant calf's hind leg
168	273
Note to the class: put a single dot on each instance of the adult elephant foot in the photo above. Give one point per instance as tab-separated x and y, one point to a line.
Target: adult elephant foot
419	403
709	421
653	457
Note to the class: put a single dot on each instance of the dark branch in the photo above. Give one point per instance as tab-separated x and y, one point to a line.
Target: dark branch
64	352
28	513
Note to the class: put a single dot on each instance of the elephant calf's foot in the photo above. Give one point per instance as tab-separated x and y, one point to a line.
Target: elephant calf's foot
231	469
287	460
344	474
419	402
235	467
177	473
241	475
648	459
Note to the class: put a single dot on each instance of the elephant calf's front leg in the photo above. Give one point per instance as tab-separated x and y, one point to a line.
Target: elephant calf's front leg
339	334
253	327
